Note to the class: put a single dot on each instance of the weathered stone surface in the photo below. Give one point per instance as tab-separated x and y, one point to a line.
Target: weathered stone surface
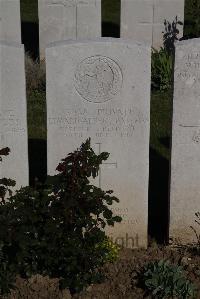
101	89
13	122
10	22
143	20
68	19
185	161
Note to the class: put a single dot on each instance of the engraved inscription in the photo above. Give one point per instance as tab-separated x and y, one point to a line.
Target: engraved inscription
10	123
68	3
189	72
124	213
104	122
98	79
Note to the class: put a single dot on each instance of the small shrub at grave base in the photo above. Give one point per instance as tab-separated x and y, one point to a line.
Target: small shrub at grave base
164	280
111	249
197	233
7	273
5	184
35	75
57	230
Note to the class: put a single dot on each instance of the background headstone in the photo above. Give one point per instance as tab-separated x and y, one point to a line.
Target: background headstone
101	89
10	21
185	161
13	120
68	19
143	20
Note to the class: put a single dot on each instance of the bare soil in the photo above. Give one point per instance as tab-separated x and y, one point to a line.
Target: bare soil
121	278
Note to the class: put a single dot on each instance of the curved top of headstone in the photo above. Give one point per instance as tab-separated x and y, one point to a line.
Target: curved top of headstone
99	40
188	42
11	44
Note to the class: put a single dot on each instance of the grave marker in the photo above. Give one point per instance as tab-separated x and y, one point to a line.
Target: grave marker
101	89
185	160
143	20
68	19
13	120
10	21
112	164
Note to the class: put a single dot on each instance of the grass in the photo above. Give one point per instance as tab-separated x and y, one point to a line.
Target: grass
111	11
161	115
37	116
29	10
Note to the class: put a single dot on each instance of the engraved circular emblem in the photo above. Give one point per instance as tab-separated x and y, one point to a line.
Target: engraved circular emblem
98	79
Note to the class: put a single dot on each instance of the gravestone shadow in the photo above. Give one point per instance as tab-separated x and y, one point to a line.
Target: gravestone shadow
165	141
110	30
158	227
30	38
37	160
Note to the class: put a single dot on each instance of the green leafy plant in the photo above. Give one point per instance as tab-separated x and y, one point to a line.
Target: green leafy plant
55	230
7	274
111	250
170	36
162	69
163	59
197	234
165	280
6	185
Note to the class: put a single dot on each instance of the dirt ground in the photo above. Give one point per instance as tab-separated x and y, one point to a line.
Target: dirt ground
121	280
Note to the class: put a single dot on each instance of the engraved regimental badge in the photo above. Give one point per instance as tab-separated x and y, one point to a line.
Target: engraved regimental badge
98	79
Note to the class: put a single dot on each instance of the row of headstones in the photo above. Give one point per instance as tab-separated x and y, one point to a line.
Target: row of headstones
141	20
101	89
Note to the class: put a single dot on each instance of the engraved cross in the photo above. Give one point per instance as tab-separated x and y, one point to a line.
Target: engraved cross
109	165
151	23
65	4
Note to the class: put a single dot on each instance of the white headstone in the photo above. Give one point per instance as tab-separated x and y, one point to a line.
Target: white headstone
10	21
143	20
101	89
13	121
185	161
68	19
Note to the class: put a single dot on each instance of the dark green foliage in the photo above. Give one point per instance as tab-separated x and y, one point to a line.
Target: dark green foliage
162	70
7	274
56	230
192	19
163	59
170	35
5	184
164	280
197	233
